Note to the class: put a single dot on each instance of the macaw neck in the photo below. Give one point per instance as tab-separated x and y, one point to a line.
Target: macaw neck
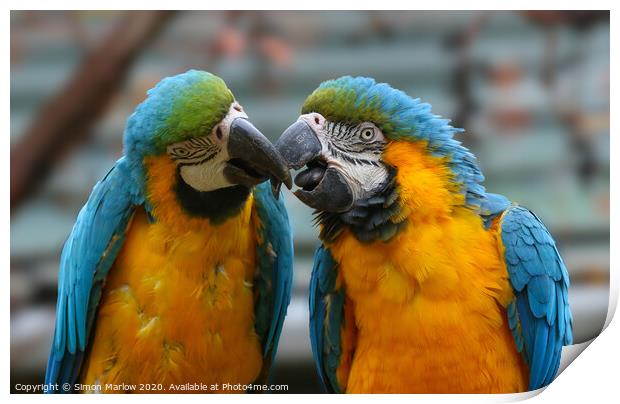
439	233
217	205
429	254
420	190
375	218
428	192
183	208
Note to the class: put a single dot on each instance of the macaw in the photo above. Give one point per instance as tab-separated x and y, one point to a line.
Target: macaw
179	266
424	282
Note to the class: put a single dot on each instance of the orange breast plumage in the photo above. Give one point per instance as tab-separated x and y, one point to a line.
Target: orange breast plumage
445	333
178	304
426	311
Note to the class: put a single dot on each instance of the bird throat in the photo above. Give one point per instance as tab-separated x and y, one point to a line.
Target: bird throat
375	218
217	205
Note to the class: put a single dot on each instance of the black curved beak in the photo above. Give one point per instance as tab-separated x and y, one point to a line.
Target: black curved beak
253	159
323	187
298	145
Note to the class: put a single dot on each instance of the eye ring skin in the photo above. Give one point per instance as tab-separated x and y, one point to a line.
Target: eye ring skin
367	134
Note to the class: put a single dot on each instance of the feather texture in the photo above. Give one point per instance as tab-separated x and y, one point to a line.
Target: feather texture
167	290
275	267
326	303
539	315
87	256
438	306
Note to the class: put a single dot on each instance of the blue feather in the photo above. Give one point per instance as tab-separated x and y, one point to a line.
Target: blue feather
85	260
537	365
326	318
411	119
539	279
275	261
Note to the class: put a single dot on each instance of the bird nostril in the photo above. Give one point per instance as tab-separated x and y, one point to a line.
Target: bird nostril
317	120
218	133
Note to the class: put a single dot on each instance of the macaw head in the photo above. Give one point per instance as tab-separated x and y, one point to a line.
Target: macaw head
372	156
193	123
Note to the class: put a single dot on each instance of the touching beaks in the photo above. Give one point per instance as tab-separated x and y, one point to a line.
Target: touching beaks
298	144
322	187
253	158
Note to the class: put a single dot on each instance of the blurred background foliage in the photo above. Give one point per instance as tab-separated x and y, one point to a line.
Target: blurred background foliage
531	89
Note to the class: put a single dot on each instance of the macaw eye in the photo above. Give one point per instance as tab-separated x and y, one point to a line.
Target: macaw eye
218	133
367	134
179	151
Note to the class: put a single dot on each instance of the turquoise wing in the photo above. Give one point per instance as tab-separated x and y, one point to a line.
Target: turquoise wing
326	318
86	258
274	278
539	316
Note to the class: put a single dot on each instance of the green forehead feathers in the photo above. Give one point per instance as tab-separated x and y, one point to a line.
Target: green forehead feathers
338	102
401	118
177	108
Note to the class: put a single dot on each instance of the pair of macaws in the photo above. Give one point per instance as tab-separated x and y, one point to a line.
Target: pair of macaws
179	267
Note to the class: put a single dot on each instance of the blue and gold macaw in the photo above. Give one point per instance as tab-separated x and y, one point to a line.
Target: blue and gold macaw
424	283
179	267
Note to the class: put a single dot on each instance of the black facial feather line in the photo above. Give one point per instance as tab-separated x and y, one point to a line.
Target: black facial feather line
374	218
346	144
194	151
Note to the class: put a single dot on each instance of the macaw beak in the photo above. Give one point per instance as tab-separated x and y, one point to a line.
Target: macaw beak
322	187
253	159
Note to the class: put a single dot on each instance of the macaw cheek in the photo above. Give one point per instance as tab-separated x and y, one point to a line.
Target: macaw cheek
332	194
205	177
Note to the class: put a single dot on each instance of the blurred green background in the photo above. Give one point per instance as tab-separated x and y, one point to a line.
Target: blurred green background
531	89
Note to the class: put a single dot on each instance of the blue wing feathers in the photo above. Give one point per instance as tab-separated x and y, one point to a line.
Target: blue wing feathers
568	318
275	261
98	236
333	351
326	317
317	314
539	317
513	323
491	206
537	365
87	256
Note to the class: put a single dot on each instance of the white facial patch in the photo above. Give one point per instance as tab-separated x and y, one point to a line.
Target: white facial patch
354	150
202	160
362	180
207	176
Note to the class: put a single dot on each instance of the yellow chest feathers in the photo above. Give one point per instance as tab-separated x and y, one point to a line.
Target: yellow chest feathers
178	304
428	306
443	252
427	263
177	309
